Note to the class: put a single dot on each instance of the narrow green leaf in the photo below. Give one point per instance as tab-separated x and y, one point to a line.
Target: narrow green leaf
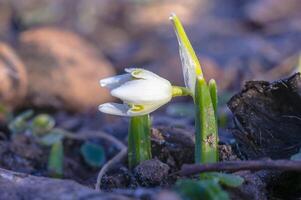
20	123
229	180
206	130
214	99
56	159
93	154
139	147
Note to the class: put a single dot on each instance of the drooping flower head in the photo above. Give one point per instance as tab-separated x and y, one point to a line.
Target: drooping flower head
140	90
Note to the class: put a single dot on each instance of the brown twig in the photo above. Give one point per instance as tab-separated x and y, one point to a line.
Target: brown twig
98	134
108	165
95	134
232	166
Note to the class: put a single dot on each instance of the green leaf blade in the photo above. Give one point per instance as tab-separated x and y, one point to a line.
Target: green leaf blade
56	159
206	150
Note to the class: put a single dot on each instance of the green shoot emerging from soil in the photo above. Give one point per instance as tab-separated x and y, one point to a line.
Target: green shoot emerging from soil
41	128
205	98
205	124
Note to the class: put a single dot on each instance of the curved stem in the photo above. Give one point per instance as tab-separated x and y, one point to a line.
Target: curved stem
180	91
108	165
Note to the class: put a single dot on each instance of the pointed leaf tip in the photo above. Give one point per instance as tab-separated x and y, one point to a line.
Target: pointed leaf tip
190	63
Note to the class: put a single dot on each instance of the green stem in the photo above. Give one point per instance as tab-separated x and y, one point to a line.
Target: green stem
139	146
205	124
180	91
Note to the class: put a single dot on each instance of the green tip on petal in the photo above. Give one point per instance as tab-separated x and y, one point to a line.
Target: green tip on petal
183	40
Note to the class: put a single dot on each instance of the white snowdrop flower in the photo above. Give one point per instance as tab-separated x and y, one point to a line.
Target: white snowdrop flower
141	91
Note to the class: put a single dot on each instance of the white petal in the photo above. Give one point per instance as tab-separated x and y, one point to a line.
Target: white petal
143	91
114	109
115	81
188	67
140	73
146	109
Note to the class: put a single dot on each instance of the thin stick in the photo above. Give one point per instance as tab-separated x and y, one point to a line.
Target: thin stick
117	158
108	165
94	134
232	166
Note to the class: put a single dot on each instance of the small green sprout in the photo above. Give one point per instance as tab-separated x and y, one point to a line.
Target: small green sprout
42	128
206	129
205	98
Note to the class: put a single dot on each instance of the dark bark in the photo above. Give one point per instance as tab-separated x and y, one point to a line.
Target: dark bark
268	118
233	166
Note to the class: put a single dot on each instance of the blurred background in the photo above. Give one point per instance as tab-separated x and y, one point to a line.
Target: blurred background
54	52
